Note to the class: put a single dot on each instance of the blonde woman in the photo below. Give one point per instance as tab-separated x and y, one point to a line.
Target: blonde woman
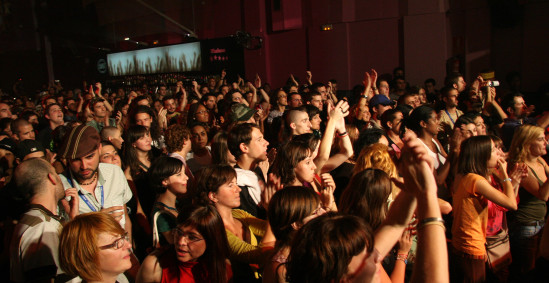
377	156
528	146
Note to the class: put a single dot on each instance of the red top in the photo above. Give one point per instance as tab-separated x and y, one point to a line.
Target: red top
174	271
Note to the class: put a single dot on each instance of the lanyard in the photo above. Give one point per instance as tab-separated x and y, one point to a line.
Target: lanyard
446	110
85	199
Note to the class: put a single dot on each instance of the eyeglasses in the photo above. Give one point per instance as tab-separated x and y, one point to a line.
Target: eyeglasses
190	237
118	244
201	112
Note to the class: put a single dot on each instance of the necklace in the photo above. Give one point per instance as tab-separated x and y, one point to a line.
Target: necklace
91	182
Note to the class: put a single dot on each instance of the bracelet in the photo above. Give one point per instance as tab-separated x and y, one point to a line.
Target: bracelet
344	134
508	179
432	223
402	257
374	88
430	219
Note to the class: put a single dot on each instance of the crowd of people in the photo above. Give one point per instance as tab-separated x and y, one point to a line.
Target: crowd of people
243	182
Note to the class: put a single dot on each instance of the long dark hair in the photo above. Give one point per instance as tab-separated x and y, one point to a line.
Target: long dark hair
474	155
207	221
209	179
161	169
129	153
323	249
219	148
366	196
289	205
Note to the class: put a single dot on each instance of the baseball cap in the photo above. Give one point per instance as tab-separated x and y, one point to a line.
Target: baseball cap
26	147
7	144
79	142
240	113
381	99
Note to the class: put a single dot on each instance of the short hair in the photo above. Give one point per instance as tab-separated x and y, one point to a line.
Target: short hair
161	169
209	179
176	135
30	177
509	100
311	110
463	120
474	155
310	94
17	123
108	131
520	144
47	110
367	137
316	86
452	78
430	80
78	250
168	97
389	116
289	205
205	97
366	196
241	133
445	91
323	249
27	114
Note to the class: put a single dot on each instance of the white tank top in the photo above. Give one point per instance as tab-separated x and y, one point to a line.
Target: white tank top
437	156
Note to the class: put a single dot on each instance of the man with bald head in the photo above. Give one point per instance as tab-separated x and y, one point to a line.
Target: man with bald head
35	241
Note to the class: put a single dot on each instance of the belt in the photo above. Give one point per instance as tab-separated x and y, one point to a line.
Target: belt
533	223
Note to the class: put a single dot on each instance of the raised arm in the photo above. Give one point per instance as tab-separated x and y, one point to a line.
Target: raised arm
339	112
105	101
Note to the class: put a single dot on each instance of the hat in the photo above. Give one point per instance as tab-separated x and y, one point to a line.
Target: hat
380	99
79	142
26	147
240	113
7	144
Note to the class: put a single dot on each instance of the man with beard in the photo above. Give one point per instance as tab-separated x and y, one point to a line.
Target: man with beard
518	112
101	186
71	109
450	113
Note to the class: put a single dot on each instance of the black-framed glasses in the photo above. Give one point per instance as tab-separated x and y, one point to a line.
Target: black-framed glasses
190	237
118	243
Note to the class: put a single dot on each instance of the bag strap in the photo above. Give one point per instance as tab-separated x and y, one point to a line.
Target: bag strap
156	236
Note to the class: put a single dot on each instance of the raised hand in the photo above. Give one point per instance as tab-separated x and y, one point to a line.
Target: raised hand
293	80
257	81
273	185
373	75
518	172
327	191
416	166
309	77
